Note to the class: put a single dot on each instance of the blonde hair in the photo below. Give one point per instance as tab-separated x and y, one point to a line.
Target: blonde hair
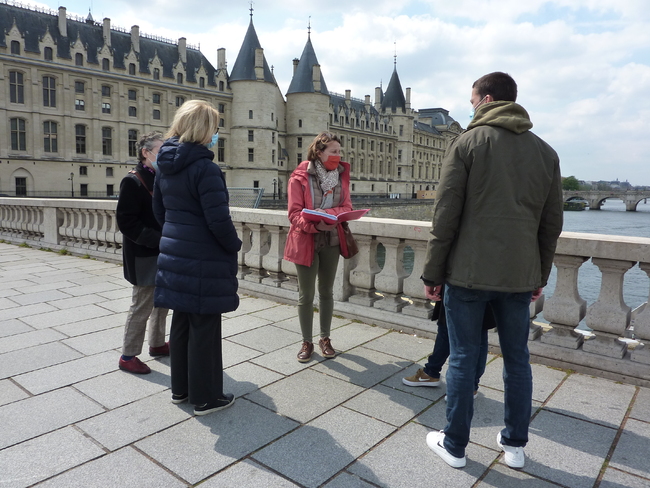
195	121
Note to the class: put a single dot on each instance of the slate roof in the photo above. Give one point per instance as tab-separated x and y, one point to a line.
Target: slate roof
302	81
33	25
394	96
244	67
439	116
357	106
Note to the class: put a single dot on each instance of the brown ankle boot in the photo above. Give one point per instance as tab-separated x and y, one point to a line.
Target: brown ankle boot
326	347
306	351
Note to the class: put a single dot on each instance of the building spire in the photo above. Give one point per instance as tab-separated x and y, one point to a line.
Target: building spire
395	56
309	28
251	9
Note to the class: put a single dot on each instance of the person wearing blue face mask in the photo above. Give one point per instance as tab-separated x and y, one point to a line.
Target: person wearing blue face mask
141	236
197	266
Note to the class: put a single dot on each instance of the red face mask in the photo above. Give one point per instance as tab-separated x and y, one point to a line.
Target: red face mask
332	163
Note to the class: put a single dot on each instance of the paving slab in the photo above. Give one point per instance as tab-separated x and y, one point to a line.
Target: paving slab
602	401
355	334
245	378
248	304
25	312
118	305
45	456
10	392
126	467
284	360
502	476
100	341
431	393
405	461
267	338
247	474
233	353
404	346
566	450
387	404
33	288
59	317
14	326
119	388
277	313
641	408
29	339
616	479
40	296
124	292
242	323
73	302
132	422
32	358
65	374
336	439
347	480
633	449
8	292
34	416
201	446
361	366
92	325
301	397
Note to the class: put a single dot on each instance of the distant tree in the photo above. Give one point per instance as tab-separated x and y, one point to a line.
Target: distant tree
570	183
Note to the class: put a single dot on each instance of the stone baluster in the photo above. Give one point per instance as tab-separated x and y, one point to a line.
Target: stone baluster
259	248
609	316
291	276
535	309
101	230
94	224
390	280
565	309
641	324
68	229
244	234
272	260
363	276
413	285
113	235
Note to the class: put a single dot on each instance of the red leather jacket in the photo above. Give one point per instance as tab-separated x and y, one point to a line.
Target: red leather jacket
299	248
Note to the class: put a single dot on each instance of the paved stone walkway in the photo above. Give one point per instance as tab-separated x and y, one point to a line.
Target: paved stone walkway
69	417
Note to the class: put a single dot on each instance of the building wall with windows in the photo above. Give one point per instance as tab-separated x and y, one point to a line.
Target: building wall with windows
77	94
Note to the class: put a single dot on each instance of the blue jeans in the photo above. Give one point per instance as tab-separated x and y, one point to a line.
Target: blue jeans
441	352
465	308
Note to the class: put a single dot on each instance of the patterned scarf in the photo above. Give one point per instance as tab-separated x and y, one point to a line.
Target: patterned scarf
327	179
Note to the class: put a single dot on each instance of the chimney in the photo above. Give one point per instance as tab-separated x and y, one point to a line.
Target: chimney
408	98
259	63
378	98
221	58
135	38
367	101
315	72
107	31
63	25
347	94
295	65
182	49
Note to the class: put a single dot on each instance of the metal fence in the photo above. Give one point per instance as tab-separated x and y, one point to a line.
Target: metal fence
245	197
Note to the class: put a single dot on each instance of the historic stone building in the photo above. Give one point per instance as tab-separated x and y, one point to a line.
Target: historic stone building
77	94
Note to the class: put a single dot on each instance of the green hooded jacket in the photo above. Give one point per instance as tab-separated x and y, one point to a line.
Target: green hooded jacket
498	210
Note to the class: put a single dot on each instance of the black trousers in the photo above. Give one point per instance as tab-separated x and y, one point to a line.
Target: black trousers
195	354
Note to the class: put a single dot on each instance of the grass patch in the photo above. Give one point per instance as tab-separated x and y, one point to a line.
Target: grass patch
24	244
46	249
64	252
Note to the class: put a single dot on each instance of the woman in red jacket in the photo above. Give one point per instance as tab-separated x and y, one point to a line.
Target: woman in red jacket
321	183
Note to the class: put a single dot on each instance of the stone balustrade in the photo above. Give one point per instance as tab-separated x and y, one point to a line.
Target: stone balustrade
385	292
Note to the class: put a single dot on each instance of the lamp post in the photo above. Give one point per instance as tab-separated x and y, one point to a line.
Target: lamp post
71	180
275	182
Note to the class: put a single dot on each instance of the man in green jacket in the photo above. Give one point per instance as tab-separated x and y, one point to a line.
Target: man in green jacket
496	221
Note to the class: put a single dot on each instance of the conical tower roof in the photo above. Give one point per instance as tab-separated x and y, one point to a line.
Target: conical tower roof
302	81
394	96
244	68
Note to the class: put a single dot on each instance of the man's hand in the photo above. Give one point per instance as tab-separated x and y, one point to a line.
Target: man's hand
433	292
536	294
323	227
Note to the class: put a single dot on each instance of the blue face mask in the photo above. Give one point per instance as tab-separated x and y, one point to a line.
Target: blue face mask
473	111
213	142
154	163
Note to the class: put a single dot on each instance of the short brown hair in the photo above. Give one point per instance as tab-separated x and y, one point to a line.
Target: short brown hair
195	121
146	142
319	143
500	85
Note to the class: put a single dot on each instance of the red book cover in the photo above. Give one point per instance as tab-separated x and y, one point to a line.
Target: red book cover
316	216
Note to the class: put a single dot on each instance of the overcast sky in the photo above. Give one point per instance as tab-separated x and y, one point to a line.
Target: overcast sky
582	66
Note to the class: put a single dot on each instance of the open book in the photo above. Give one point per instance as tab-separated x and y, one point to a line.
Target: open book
315	216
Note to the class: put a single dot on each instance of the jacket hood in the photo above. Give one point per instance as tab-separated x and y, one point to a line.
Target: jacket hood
175	156
508	115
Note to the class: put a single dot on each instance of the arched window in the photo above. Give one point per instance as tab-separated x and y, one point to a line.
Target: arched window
132	68
79	59
221	86
202	82
50	136
179	78
15	47
156	74
106	64
18	134
133	112
133	143
48	54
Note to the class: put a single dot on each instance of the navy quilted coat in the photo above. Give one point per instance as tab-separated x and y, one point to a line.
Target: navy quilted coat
197	265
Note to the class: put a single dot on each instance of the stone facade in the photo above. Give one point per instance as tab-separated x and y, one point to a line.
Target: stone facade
77	94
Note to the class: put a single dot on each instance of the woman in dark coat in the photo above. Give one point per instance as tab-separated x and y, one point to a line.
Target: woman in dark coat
197	265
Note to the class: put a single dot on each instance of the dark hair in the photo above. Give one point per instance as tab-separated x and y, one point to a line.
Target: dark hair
500	85
146	142
319	143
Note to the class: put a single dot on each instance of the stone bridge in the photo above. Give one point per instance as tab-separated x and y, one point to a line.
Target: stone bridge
596	198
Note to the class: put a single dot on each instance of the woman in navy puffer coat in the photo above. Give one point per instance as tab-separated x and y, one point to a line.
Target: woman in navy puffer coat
197	265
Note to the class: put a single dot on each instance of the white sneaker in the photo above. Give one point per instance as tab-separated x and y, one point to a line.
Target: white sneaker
475	395
514	456
435	441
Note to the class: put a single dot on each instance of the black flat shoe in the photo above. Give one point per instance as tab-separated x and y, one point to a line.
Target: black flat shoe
215	406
